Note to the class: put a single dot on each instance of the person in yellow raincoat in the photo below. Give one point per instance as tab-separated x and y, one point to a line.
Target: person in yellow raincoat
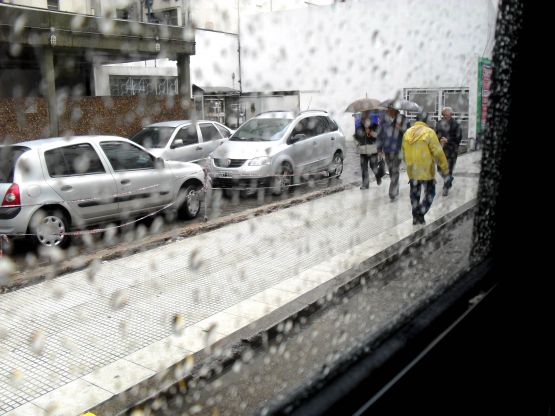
421	152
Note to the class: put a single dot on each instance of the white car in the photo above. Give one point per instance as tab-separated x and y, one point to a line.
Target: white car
183	140
273	148
51	186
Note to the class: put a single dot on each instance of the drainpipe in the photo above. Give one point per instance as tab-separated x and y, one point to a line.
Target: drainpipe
240	80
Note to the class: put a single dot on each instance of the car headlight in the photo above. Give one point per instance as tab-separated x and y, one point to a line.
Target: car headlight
259	161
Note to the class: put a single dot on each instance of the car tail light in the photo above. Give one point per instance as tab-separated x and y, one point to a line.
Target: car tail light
12	197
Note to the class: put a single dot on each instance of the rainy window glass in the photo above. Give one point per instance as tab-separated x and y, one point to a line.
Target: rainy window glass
209	132
225	272
123	156
73	160
153	137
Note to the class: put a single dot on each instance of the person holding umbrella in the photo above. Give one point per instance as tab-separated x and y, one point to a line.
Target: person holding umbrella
389	138
365	136
422	151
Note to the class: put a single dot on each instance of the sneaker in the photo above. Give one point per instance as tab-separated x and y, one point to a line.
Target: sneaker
445	191
421	220
379	181
415	220
364	187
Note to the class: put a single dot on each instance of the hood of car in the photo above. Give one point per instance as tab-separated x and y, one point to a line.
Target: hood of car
180	168
244	149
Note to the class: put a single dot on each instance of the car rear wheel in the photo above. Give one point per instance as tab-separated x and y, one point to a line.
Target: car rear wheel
48	228
188	202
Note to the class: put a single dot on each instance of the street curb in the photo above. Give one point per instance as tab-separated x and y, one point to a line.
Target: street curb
23	279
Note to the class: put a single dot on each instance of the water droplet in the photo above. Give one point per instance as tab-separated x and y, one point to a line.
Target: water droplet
195	261
119	299
37	341
178	323
16	377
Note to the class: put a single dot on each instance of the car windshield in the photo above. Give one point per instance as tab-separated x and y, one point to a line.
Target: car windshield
262	129
8	158
153	137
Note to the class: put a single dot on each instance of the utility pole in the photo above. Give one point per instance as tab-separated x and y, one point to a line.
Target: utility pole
240	79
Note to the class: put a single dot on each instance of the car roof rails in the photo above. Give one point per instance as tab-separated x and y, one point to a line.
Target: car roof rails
275	111
315	109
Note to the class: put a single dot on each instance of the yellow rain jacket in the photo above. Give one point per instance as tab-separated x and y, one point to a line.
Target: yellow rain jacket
422	151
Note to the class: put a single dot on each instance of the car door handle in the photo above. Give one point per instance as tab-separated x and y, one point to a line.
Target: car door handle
125	181
333	138
66	188
199	148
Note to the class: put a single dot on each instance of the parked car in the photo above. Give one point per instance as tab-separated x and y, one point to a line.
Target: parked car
274	148
51	186
183	140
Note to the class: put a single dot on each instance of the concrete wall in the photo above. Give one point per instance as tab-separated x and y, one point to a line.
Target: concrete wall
376	48
27	119
215	61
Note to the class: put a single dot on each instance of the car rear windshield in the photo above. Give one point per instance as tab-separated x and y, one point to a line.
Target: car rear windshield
8	158
153	137
262	129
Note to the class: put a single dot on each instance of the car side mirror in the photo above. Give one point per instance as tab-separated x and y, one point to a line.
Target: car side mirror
177	143
159	163
297	137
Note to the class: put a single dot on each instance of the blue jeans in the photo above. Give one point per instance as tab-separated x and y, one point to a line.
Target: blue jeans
420	206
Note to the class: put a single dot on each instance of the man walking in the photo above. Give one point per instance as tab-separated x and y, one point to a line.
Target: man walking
365	136
450	136
422	151
389	139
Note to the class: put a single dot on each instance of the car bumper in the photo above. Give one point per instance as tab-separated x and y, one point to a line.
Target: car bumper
243	177
19	222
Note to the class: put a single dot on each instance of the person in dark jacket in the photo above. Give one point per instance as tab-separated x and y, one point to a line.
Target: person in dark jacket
365	139
450	136
389	138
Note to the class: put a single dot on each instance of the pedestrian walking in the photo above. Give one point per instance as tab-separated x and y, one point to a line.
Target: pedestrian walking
391	128
450	135
365	136
421	152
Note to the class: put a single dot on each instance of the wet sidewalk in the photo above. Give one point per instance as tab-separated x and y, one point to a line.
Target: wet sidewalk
73	342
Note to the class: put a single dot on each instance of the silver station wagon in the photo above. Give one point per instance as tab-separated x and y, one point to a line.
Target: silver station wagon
272	149
51	186
182	140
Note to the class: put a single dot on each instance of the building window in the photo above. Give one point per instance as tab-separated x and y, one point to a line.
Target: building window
53	5
124	85
122	14
432	100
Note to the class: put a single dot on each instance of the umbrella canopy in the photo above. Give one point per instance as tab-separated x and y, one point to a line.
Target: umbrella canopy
364	104
405	105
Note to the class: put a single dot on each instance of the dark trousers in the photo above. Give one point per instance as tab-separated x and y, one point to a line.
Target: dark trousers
364	161
393	161
451	160
420	206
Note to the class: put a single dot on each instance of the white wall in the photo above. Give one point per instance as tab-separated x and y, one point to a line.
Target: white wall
359	47
215	60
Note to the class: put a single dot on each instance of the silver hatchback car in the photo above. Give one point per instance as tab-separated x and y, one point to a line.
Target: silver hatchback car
274	148
182	140
51	186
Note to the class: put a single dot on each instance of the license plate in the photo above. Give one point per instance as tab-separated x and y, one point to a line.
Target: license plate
223	175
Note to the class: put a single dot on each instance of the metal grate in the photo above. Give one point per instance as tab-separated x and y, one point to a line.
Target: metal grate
233	163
